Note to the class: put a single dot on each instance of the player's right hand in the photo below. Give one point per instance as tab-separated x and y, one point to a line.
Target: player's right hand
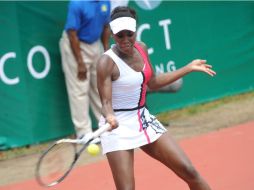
111	119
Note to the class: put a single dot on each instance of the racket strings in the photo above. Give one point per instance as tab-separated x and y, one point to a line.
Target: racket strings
56	163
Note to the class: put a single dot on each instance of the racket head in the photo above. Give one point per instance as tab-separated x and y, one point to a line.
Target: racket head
55	163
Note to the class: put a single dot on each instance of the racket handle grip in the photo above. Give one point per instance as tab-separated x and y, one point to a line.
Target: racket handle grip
101	130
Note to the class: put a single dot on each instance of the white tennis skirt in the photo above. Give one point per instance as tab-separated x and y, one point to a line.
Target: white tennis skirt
136	128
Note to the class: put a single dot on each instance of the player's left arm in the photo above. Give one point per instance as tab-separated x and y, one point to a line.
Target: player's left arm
162	79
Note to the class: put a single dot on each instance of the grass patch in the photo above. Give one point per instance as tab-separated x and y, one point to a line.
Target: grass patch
192	110
22	151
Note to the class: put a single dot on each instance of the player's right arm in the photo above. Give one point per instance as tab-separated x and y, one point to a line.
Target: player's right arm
105	74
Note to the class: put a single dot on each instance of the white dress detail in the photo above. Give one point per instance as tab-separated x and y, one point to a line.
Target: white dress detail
137	127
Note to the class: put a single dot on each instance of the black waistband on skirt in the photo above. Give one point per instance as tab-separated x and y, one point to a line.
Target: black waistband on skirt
130	109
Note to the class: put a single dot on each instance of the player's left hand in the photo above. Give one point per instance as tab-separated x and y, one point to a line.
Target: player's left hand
200	65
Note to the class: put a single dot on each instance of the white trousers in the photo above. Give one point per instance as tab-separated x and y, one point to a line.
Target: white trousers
81	94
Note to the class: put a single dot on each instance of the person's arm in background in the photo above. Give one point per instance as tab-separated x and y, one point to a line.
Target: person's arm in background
105	37
75	46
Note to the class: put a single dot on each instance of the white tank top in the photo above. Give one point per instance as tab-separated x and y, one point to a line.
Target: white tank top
129	90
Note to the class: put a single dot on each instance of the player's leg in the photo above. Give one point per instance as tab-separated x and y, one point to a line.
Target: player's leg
122	168
167	151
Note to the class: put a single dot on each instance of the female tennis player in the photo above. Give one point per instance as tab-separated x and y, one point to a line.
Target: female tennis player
124	72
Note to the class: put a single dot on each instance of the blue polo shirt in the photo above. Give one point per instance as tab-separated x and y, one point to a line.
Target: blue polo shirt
88	18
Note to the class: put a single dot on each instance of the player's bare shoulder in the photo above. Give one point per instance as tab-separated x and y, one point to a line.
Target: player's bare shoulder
107	67
104	59
105	63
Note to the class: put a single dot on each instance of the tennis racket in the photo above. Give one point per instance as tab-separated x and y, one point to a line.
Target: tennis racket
59	159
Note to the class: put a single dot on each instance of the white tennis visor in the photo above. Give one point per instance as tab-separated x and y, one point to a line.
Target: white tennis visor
123	23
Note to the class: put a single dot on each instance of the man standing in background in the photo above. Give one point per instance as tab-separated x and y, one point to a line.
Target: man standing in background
85	38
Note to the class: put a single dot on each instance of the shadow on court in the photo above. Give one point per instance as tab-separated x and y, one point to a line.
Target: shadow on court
225	158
